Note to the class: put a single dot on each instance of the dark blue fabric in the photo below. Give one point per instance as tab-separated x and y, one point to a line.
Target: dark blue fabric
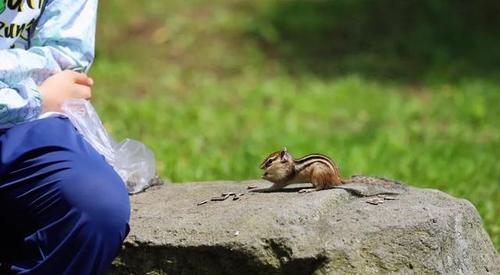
63	209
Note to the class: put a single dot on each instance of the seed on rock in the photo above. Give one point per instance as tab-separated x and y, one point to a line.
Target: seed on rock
375	201
202	202
387	197
220	198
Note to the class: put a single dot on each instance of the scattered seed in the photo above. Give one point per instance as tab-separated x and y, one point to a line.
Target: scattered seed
389	198
223	198
236	198
375	201
202	202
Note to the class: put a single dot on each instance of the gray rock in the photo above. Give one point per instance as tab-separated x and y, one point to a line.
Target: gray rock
351	230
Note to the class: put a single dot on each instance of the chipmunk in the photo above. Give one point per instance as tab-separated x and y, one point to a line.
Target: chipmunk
282	169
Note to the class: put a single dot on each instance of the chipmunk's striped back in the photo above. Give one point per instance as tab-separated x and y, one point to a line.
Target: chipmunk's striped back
305	161
321	178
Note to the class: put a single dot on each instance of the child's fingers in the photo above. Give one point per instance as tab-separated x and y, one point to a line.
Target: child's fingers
83	79
83	91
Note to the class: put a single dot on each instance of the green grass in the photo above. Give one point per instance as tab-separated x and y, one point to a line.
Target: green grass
194	81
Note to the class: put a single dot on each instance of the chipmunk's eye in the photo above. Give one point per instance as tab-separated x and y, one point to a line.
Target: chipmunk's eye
269	162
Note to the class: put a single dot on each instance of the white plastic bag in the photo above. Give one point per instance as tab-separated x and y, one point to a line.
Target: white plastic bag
132	160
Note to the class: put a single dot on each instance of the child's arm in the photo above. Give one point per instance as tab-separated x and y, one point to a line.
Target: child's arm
64	39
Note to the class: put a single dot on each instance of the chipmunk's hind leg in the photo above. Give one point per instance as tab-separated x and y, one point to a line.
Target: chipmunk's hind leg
321	179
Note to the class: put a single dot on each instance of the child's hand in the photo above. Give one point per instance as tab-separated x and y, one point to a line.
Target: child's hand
64	85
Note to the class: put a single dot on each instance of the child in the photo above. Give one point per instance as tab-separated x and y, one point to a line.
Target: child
63	209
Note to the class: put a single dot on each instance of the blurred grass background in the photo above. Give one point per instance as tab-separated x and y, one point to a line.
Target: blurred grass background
402	89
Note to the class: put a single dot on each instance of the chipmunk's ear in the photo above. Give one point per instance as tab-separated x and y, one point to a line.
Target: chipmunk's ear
284	155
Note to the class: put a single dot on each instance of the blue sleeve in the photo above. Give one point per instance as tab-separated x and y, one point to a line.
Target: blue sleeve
63	40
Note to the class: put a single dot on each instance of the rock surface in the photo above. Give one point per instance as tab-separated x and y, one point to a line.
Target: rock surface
338	231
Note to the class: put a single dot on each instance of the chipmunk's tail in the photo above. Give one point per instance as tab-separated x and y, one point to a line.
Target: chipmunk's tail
359	179
367	180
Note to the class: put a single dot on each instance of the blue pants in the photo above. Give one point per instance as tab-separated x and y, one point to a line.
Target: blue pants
63	209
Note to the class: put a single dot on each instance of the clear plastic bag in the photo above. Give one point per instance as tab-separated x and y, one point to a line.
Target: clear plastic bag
132	160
